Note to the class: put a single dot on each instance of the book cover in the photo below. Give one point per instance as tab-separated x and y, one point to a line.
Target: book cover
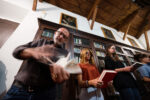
136	65
107	76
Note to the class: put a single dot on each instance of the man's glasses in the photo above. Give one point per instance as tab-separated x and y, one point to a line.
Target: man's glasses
61	33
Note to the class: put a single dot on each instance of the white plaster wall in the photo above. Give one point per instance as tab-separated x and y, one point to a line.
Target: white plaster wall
23	34
28	28
12	12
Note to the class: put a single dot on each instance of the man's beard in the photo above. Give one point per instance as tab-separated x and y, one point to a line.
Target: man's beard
56	41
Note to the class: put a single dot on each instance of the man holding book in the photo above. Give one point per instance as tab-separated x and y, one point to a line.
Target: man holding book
145	68
37	78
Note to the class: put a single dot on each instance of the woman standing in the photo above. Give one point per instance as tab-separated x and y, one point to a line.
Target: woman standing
123	82
88	80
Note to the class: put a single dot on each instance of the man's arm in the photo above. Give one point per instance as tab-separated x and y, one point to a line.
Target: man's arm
144	74
146	79
24	51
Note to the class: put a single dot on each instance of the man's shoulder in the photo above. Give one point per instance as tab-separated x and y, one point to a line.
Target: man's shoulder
143	67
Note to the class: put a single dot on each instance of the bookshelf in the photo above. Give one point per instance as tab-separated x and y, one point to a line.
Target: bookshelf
99	48
79	39
78	44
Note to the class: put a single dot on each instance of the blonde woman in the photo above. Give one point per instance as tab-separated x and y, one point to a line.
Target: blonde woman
88	80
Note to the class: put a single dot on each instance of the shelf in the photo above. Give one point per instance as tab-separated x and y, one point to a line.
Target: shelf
98	49
98	45
80	45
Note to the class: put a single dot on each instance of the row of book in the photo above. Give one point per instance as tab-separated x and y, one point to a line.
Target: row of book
48	34
98	45
100	54
81	41
77	41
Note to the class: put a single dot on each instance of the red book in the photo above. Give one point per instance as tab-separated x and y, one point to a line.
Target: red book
107	76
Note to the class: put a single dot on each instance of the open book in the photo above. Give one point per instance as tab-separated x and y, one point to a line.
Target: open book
137	64
69	65
107	76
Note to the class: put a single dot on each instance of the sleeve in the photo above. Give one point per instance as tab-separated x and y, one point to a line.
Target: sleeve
108	63
143	72
19	49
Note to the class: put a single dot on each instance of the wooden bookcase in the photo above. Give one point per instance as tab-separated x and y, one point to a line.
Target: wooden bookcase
79	39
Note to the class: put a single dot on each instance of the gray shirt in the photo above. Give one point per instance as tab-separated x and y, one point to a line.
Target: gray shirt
36	73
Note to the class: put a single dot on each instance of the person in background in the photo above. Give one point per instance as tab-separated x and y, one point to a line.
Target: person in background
37	78
88	80
145	68
123	82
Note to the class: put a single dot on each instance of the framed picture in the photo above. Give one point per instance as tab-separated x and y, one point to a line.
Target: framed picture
133	43
107	33
68	20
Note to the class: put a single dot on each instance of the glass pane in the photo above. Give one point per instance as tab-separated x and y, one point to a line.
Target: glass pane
99	45
77	50
100	54
85	42
48	33
81	41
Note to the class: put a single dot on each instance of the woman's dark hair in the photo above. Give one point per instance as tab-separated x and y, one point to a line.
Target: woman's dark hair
139	56
113	56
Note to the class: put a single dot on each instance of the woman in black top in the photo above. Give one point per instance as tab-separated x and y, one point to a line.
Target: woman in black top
123	82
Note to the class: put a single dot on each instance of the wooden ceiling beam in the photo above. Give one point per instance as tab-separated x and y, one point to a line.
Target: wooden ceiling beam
34	5
146	40
126	31
93	8
127	20
94	17
40	0
143	25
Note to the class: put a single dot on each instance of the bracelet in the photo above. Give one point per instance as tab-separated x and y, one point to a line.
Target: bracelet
86	82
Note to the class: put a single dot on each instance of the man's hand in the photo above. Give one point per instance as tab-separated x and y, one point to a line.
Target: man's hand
37	53
58	73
